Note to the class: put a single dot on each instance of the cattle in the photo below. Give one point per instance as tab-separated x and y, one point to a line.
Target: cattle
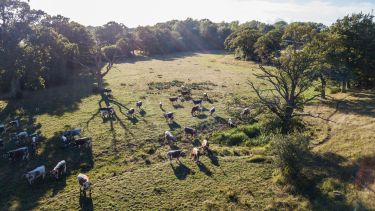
212	111
21	136
107	112
205	96
17	154
59	169
175	154
84	183
161	105
169	116
195	154
131	112
107	91
205	146
231	123
15	123
169	137
173	99
185	92
138	104
36	173
190	131
71	133
85	141
197	101
195	110
245	112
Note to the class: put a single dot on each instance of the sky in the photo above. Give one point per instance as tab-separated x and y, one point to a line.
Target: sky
133	13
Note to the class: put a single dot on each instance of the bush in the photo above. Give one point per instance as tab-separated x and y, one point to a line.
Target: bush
237	136
290	151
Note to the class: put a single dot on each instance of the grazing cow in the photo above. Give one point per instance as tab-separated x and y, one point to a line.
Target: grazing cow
185	92
168	136
195	154
17	154
131	112
71	133
205	96
22	136
84	183
190	131
161	105
107	112
138	104
36	173
197	101
212	111
196	109
85	141
175	154
245	112
205	145
59	169
231	123
173	99
169	116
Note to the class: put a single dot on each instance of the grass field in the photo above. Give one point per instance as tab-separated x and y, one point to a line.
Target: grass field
127	163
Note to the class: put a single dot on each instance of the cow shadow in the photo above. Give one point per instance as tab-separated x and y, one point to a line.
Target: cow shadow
142	112
134	120
178	106
202	116
203	168
181	171
174	125
196	143
85	203
213	158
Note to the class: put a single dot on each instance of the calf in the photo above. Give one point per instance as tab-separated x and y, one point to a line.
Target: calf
36	173
84	183
205	146
175	154
197	101
245	112
190	131
169	116
173	99
17	154
168	136
131	112
85	141
59	169
138	104
212	111
196	109
195	154
107	112
231	123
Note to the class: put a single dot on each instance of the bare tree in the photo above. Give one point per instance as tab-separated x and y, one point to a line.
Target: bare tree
289	80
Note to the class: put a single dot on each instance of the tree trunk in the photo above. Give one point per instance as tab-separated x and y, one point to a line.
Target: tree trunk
343	86
324	84
15	87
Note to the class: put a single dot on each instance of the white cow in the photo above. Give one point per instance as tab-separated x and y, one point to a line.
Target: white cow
59	169
36	173
84	183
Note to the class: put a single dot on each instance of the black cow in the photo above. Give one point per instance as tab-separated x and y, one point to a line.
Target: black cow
107	112
173	99
138	104
197	101
131	112
212	111
17	154
195	110
175	154
169	116
190	131
85	141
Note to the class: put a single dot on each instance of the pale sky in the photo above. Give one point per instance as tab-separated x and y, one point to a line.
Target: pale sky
148	12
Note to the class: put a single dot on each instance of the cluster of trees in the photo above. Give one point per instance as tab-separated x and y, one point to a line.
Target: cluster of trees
343	52
38	50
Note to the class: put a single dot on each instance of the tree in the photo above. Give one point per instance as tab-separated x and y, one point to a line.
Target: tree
268	46
16	19
242	43
289	80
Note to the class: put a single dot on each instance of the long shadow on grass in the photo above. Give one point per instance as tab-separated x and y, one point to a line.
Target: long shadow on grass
320	167
181	171
16	190
54	101
174	125
85	203
203	168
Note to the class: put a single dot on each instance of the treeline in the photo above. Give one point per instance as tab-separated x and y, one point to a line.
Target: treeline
39	51
343	53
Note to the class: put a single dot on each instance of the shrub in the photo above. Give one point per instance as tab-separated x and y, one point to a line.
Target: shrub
237	136
290	151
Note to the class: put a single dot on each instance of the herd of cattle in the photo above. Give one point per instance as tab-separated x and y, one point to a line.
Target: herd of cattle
72	138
